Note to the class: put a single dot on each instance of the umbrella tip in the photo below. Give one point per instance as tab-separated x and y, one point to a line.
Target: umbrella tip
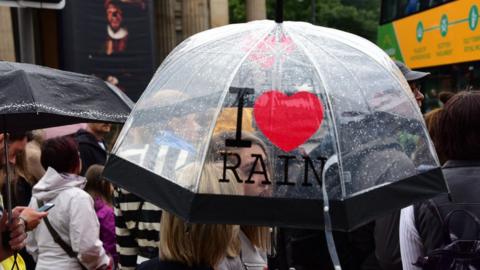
279	11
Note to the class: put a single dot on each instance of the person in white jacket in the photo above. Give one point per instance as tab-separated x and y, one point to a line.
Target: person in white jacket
73	216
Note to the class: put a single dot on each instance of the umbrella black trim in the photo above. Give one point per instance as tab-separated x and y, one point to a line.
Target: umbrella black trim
347	214
16	122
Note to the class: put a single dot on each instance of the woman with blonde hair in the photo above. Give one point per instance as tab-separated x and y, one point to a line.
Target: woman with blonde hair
196	246
255	240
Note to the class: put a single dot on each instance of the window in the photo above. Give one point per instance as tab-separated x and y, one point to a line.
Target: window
396	9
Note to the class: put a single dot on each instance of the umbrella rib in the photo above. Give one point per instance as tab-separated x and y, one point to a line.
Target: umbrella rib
204	43
222	99
375	59
197	57
329	104
351	74
27	81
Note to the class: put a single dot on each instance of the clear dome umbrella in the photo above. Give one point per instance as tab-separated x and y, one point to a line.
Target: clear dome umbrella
300	119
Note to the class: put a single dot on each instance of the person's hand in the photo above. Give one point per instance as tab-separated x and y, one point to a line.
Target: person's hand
30	217
15	230
110	266
18	234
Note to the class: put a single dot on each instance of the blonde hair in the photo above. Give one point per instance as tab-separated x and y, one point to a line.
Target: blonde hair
260	237
209	181
200	244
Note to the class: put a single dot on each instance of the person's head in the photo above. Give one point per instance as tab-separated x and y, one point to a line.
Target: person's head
17	141
459	127
248	158
38	136
194	244
445	96
99	129
96	185
209	183
114	15
432	122
184	124
61	154
413	78
200	244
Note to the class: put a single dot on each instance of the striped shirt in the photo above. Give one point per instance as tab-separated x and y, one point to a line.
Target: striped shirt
137	222
137	228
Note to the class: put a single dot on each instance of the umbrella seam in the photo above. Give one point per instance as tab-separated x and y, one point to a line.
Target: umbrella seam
222	99
412	101
166	64
167	59
396	78
329	104
27	81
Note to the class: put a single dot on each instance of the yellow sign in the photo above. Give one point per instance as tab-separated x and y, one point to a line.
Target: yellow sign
443	35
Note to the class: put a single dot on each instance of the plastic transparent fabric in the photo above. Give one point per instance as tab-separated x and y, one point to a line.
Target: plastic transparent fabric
369	118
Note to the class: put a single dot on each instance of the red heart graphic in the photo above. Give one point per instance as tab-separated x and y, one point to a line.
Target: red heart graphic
288	121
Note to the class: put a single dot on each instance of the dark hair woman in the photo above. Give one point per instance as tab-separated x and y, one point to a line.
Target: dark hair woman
458	140
73	218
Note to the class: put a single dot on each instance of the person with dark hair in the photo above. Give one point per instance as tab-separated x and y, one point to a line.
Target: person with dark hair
91	144
69	237
431	120
423	226
444	96
101	191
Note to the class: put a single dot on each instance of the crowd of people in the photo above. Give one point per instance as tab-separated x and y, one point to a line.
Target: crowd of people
94	225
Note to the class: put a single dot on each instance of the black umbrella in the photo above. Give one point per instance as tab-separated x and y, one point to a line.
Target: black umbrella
33	97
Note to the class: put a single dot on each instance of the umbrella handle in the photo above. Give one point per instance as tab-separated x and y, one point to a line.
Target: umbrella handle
7	172
279	11
326	215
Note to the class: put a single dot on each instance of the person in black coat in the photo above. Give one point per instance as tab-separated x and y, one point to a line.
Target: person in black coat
91	144
423	226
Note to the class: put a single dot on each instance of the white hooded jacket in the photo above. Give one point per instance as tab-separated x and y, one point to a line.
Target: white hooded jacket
74	219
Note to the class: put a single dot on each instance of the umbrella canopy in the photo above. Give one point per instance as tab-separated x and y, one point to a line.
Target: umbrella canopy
333	122
33	97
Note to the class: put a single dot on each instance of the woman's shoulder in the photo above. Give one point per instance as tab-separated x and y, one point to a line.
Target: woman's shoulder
77	193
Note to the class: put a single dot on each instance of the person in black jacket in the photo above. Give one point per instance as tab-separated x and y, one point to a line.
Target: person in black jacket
421	226
92	146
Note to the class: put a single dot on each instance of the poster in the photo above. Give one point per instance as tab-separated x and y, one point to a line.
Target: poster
111	39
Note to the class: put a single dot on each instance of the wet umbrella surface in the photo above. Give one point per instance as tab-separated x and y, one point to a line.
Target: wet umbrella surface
286	113
33	97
